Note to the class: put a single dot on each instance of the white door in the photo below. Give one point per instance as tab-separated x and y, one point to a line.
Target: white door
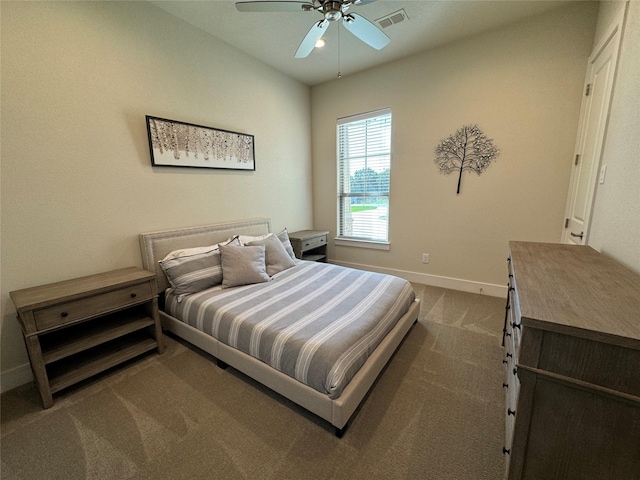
591	133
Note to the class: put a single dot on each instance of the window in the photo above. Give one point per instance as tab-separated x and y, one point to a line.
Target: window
364	165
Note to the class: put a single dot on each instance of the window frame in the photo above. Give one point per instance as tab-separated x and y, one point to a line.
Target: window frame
342	196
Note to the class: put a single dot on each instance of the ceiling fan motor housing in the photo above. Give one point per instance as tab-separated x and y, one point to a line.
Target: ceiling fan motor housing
332	10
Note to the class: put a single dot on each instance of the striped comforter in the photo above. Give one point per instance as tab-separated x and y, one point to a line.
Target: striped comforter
315	322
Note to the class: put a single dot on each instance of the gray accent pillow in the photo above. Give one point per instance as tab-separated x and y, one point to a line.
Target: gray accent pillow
276	257
284	238
243	265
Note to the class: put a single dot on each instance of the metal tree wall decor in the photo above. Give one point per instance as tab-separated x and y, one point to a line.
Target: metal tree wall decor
467	149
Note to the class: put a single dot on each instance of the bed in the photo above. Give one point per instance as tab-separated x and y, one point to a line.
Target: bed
225	322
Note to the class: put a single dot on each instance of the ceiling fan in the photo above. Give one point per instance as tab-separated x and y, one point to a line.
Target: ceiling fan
332	10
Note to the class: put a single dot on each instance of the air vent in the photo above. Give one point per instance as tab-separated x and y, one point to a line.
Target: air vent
392	18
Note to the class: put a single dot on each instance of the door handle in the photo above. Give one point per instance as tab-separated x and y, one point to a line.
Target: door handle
580	235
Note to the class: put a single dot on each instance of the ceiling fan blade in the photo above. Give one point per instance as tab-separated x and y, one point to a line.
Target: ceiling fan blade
273	6
309	41
365	31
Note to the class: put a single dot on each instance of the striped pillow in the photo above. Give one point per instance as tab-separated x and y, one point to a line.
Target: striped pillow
195	269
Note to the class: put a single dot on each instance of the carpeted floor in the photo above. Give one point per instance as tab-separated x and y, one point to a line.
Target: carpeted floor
436	412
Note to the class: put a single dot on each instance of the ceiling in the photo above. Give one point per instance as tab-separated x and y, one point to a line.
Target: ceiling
273	38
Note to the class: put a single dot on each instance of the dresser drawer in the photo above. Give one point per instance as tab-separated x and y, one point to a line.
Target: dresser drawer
314	242
515	321
94	305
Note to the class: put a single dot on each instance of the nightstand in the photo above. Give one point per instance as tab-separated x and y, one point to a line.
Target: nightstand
78	328
310	245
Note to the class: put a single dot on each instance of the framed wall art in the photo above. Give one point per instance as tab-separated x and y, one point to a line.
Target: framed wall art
180	144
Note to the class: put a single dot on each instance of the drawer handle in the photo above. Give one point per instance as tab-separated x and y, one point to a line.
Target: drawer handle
64	314
511	412
134	295
577	235
505	385
504	361
508	334
509	355
515	370
506	451
516	325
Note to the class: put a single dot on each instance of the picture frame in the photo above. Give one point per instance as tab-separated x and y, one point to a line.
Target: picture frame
180	144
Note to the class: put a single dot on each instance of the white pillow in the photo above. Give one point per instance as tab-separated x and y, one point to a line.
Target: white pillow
244	239
186	252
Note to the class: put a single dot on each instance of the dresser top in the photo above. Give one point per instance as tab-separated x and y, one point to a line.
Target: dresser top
575	290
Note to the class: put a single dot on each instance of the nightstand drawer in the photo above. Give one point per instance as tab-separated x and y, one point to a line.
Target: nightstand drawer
94	305
314	242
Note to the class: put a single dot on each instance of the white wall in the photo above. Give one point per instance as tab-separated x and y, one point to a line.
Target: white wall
615	226
77	182
522	85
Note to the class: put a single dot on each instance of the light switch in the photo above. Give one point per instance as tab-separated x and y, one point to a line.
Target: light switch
603	172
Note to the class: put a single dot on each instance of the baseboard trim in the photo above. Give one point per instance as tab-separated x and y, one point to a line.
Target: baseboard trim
15	377
434	280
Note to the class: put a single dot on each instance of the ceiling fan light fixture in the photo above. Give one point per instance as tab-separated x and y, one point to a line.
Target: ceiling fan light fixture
321	42
331	11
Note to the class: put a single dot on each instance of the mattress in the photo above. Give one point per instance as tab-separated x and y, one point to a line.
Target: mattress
314	322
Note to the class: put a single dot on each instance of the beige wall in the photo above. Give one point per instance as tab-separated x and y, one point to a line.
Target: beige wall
615	226
522	85
77	183
608	13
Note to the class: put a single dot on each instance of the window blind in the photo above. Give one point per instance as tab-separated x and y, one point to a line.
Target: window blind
364	167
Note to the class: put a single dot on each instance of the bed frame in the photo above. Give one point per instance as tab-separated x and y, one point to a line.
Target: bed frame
155	246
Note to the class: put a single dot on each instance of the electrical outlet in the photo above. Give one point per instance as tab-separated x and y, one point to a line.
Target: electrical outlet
425	258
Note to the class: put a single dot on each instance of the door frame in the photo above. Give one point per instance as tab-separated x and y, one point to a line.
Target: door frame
613	33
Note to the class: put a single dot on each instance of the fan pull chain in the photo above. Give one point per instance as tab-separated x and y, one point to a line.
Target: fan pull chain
339	74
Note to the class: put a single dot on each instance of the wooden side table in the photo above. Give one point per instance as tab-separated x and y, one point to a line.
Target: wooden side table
310	245
78	328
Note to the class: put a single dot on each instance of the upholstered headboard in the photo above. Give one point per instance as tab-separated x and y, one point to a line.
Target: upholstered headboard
155	246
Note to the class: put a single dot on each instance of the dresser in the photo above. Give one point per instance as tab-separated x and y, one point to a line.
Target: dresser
78	328
572	365
310	245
